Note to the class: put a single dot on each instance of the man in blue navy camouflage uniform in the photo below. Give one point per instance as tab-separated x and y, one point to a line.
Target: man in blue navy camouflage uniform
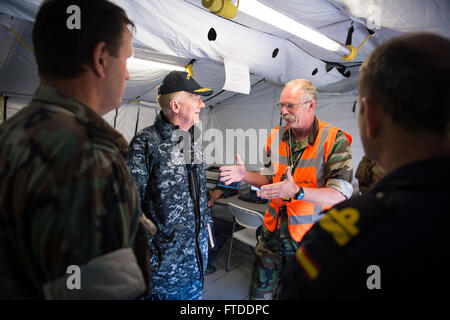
166	162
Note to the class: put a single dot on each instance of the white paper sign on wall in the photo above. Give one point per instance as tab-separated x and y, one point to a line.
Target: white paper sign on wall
237	76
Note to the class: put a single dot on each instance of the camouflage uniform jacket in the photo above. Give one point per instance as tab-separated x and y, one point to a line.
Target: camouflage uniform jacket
66	196
180	247
368	173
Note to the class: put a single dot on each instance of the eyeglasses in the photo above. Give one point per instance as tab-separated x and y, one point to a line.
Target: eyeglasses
291	106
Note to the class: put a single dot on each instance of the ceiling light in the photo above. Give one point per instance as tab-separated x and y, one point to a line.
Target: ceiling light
264	13
139	64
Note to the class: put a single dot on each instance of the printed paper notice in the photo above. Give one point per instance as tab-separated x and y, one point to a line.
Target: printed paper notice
237	77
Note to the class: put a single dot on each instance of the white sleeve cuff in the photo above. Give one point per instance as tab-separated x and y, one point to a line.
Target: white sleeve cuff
342	186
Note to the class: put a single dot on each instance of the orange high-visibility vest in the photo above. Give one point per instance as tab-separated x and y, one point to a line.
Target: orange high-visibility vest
309	173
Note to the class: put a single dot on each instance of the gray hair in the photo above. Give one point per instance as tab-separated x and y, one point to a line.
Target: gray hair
307	88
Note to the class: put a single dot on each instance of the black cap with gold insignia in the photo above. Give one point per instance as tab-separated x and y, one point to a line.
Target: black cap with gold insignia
182	81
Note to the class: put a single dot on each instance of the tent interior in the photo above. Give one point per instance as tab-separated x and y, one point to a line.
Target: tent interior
181	32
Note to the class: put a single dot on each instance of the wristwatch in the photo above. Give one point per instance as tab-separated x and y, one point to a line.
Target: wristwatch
300	194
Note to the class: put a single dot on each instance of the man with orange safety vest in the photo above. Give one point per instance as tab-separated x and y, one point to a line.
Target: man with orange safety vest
310	170
392	241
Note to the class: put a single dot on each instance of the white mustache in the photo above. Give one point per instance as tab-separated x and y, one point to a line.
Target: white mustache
288	116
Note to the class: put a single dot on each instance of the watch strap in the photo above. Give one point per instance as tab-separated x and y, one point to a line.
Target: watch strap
300	194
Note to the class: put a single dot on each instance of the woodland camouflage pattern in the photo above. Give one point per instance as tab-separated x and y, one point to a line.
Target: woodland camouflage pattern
366	173
268	262
162	180
66	195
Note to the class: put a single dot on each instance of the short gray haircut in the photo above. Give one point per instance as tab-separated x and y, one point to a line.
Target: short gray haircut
307	88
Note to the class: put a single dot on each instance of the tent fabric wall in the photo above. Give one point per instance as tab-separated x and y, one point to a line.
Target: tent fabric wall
127	117
13	105
18	69
180	28
169	21
402	16
258	113
338	111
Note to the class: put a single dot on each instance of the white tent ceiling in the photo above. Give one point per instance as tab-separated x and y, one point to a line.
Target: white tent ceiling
177	31
179	28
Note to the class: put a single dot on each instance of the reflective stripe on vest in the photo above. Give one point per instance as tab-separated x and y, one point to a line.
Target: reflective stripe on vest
307	219
309	173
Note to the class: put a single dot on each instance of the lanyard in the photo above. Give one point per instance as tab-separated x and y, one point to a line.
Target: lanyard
292	164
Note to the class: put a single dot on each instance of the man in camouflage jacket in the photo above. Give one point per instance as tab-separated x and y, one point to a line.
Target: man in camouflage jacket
172	189
69	208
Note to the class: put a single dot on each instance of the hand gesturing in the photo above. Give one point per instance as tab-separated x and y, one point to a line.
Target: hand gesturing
283	189
233	173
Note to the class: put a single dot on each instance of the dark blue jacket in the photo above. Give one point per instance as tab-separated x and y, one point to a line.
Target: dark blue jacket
176	203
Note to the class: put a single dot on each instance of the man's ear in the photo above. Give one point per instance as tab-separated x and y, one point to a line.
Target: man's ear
100	59
174	106
373	118
312	106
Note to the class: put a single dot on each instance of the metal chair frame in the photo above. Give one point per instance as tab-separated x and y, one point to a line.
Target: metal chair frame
247	218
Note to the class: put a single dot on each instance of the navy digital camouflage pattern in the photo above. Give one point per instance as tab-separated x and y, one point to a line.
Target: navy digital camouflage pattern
192	291
66	195
179	250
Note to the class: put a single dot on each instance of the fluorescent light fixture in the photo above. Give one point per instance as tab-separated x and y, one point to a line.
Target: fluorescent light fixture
139	64
264	13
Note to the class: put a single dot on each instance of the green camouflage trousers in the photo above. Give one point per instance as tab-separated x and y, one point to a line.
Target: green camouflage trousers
272	247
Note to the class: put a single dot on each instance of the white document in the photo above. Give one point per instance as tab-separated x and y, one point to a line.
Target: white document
237	77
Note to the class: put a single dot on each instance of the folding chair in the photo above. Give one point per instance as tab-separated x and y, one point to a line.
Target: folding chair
249	219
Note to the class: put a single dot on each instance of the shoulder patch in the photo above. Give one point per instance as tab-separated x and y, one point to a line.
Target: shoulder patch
341	224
